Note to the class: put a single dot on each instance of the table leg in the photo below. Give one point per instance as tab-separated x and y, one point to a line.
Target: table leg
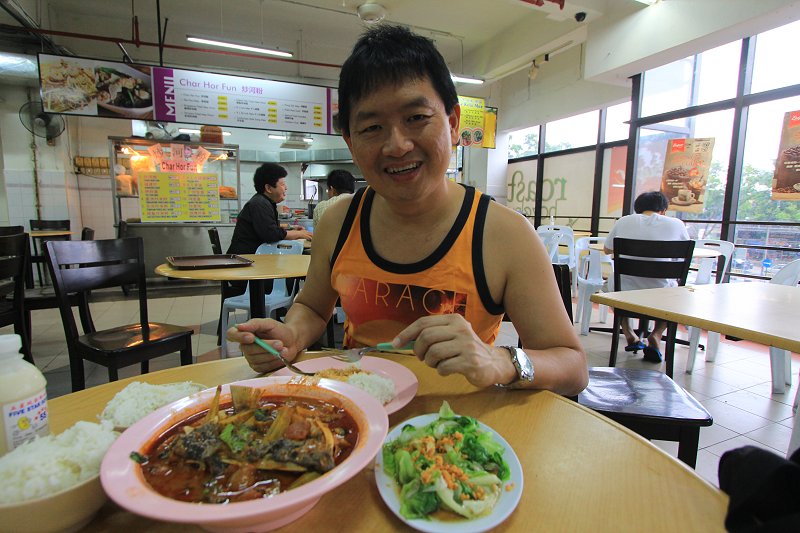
258	308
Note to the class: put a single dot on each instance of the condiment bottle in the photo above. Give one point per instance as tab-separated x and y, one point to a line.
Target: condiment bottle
23	397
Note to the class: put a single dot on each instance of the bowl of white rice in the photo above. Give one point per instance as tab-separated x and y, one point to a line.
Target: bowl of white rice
52	484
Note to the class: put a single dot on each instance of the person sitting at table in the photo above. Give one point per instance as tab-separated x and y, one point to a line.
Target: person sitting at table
258	222
416	256
341	185
647	223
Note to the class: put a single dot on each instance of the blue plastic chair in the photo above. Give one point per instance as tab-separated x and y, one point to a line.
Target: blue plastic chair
280	296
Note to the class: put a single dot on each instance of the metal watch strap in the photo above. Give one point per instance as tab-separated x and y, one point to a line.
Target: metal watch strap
523	366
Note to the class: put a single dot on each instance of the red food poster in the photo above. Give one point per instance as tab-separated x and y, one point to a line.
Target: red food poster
786	180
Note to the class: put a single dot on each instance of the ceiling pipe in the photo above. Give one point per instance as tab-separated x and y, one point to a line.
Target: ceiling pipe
116	40
18	13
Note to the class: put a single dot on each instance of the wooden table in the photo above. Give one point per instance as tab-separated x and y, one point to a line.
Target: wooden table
582	471
760	312
51	233
265	266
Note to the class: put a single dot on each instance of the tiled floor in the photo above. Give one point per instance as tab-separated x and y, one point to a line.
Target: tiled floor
736	389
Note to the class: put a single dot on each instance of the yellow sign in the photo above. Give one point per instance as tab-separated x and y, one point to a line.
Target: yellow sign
178	197
470	130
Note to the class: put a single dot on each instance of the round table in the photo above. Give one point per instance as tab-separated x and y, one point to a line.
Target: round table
583	472
265	266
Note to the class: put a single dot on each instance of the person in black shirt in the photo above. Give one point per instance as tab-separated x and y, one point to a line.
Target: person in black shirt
258	221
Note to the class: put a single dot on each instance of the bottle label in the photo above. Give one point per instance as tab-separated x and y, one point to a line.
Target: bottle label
25	418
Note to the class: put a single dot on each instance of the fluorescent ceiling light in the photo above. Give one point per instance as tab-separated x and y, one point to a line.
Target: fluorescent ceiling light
276	137
648	2
464	79
308	139
237	46
197	132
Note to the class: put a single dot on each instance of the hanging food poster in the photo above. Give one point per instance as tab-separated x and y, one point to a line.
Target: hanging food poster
685	175
786	181
470	130
179	197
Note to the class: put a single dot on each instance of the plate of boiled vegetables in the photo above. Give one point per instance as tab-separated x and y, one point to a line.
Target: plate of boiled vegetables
444	472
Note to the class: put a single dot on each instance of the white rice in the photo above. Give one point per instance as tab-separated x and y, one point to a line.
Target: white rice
138	400
53	463
378	386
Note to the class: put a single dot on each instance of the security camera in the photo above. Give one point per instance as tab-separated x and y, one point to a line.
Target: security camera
580	16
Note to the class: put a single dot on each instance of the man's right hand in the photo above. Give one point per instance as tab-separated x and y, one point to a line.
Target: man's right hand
274	332
299	234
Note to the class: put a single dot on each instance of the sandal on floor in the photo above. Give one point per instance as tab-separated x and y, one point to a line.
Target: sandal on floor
652	355
635	347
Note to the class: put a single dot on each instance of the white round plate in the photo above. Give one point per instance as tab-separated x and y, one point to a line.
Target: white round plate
505	506
405	382
678	201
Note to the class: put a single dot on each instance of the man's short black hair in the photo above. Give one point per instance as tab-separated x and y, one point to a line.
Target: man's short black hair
651	201
391	55
268	174
342	181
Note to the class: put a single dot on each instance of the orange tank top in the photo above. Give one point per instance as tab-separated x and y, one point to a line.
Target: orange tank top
381	298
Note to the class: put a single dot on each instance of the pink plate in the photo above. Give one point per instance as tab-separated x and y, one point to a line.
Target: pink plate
124	483
405	382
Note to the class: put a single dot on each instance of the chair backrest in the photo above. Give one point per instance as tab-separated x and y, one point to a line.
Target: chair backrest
565	236
281	247
592	267
564	289
216	245
77	267
55	225
13	260
652	259
11	230
87	234
551	240
788	275
724	249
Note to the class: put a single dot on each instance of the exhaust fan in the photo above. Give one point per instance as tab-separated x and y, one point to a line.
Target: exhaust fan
297	141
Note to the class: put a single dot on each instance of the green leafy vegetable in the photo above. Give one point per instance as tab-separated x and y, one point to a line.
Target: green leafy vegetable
449	464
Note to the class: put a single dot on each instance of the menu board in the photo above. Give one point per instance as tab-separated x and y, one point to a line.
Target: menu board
786	180
79	86
178	197
685	174
478	126
199	97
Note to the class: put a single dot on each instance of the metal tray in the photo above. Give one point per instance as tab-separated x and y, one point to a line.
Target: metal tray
195	262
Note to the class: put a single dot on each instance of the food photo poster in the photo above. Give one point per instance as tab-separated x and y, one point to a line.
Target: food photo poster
786	180
686	166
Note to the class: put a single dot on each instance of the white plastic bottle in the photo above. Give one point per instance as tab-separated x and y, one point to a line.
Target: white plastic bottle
23	397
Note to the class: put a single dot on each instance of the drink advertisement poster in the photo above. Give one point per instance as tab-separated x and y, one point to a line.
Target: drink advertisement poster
786	181
686	168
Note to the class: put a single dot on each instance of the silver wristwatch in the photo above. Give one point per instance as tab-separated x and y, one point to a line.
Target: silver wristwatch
524	367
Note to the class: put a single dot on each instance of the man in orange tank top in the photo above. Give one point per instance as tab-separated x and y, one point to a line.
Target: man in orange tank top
415	234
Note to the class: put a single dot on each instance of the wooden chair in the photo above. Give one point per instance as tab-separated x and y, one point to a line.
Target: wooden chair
645	401
649	259
78	267
37	257
225	288
13	261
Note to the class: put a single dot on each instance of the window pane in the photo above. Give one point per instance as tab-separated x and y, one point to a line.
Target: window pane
652	151
719	73
773	67
668	88
572	132
764	125
521	186
616	118
567	190
613	189
523	143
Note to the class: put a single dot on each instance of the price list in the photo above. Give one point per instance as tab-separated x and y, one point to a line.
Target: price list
179	197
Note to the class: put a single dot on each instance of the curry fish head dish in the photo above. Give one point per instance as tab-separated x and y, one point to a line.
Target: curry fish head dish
254	455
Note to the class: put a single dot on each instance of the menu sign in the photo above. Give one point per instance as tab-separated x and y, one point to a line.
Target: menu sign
478	126
786	180
79	86
178	197
686	167
199	97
